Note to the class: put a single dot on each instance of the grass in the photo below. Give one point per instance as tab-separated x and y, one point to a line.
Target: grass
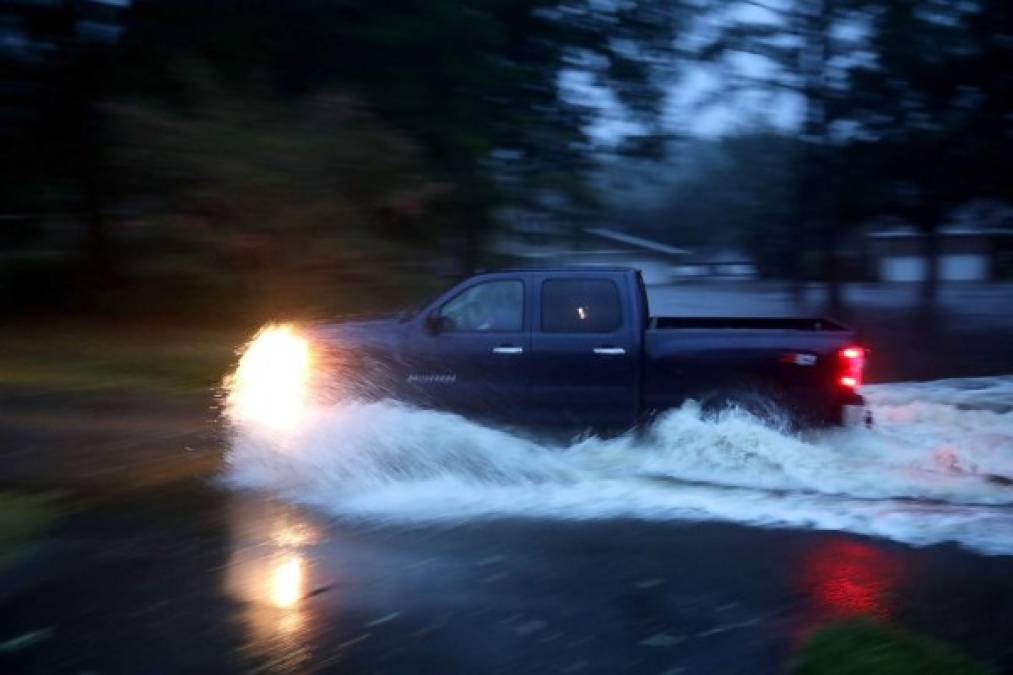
22	519
865	647
160	352
95	358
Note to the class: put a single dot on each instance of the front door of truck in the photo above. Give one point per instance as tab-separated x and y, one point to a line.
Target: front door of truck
585	352
471	353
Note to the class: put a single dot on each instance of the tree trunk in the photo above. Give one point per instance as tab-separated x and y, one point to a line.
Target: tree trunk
831	271
796	282
930	249
817	199
795	246
97	239
471	249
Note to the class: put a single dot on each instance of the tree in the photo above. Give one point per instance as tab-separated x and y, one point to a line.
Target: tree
935	101
474	84
801	41
279	199
52	73
748	183
458	95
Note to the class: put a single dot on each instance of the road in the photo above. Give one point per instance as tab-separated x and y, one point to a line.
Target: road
204	581
387	540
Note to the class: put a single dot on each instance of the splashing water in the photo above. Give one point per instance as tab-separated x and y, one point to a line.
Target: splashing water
936	467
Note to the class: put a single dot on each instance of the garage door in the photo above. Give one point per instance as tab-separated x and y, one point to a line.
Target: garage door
969	267
902	268
954	267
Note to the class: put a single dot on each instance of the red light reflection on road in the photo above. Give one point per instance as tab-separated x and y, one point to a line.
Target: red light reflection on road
846	578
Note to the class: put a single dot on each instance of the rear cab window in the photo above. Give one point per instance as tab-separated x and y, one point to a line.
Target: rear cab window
580	306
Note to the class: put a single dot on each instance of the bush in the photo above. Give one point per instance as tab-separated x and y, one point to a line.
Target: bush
865	647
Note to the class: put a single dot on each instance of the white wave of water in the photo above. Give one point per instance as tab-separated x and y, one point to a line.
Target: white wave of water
936	467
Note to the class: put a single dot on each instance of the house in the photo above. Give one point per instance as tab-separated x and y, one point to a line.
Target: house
532	241
965	254
720	263
606	246
532	238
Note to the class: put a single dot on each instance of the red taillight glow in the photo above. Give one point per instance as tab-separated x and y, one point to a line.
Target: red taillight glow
852	364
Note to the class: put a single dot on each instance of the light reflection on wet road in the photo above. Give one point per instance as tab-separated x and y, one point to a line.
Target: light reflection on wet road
515	596
846	578
268	572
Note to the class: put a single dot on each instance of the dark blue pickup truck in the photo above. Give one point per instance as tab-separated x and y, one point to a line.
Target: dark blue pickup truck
577	347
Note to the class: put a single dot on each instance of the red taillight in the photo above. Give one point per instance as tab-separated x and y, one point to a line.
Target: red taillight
852	363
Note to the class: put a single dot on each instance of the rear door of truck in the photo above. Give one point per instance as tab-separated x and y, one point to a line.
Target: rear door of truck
585	349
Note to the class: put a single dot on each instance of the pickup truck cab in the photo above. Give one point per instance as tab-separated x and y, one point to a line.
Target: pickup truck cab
578	347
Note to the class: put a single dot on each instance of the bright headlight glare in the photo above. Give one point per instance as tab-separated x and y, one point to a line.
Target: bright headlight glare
271	384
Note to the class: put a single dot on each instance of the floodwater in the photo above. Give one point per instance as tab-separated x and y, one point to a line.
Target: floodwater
937	467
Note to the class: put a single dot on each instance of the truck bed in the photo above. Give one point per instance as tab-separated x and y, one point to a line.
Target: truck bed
741	323
788	361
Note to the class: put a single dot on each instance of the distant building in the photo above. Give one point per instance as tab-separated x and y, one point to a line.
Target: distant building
722	263
531	237
606	246
531	241
965	254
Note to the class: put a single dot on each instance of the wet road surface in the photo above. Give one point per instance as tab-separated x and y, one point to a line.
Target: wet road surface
197	579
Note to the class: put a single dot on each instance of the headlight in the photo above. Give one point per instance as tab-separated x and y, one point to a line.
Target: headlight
270	387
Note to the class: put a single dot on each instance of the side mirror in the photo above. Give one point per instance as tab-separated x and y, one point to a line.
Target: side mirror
435	323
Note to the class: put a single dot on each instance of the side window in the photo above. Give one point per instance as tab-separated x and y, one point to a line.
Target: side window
580	306
493	306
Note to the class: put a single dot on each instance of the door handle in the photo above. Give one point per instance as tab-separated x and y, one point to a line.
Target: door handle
507	350
609	351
